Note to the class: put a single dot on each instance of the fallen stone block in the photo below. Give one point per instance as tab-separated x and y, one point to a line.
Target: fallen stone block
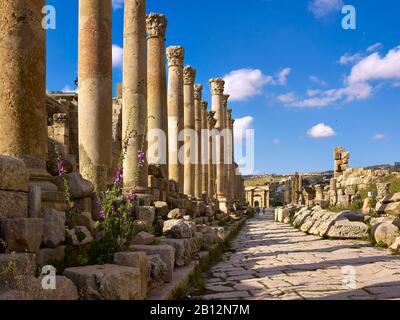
13	204
185	250
78	236
161	208
178	229
157	271
135	260
176	214
166	253
106	282
50	256
386	233
53	228
84	219
143	238
345	229
78	187
13	174
146	214
22	234
20	263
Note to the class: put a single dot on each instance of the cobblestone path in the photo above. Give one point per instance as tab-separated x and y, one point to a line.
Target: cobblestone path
269	260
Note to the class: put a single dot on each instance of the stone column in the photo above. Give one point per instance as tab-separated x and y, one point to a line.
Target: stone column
175	56
227	149
217	90
231	165
23	115
157	91
211	122
204	149
198	88
95	91
189	75
134	115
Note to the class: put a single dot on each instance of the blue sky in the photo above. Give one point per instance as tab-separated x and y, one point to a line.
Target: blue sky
295	75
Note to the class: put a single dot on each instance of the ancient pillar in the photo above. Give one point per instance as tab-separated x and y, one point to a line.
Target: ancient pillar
189	75
95	91
211	122
217	91
175	56
204	149
23	115
157	91
198	88
227	147
229	156
134	116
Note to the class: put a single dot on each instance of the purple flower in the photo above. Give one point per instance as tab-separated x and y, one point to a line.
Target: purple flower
60	167
118	176
131	197
102	214
141	158
77	229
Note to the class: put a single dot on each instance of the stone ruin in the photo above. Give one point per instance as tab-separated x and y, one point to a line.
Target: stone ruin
58	149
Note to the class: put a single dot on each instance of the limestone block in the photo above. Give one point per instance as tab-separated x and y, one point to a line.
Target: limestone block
146	214
345	229
106	282
143	238
21	263
157	271
391	198
166	253
393	209
49	256
161	209
176	214
185	249
178	229
84	219
199	239
386	233
78	236
53	228
395	247
35	201
13	174
136	260
79	187
22	234
13	204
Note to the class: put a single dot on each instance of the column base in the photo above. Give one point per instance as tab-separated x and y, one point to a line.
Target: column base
223	205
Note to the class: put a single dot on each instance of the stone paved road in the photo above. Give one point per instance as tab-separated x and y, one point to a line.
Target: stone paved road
270	260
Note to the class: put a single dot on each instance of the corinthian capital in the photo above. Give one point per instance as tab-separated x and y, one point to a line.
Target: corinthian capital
176	55
211	120
189	74
204	105
225	99
217	86
229	114
198	88
156	25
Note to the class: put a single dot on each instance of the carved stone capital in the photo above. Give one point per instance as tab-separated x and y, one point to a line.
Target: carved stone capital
156	25
204	105
225	99
210	119
217	86
175	55
60	118
189	74
198	88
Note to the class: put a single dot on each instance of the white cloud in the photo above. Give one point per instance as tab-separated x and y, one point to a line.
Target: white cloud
282	77
117	4
321	131
375	67
68	89
375	47
287	98
379	137
350	58
317	80
117	56
243	84
323	8
313	92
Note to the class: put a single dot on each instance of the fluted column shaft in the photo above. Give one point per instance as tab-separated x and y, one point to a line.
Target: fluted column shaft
23	116
134	115
211	122
204	149
189	75
175	56
217	90
198	88
157	91
95	91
